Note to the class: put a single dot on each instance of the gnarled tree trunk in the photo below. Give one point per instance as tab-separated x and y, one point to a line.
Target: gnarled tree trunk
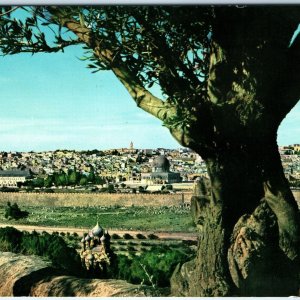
248	229
249	226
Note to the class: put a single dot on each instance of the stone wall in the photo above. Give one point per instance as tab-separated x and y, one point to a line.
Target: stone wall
81	199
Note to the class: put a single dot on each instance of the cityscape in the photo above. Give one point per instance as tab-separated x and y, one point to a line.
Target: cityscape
117	170
150	150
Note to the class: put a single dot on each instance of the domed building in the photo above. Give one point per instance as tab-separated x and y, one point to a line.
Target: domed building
96	254
160	172
160	164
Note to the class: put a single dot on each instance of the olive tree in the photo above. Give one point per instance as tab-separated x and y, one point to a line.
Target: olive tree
228	76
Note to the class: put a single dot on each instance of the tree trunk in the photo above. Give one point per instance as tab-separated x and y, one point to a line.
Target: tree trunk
248	228
249	223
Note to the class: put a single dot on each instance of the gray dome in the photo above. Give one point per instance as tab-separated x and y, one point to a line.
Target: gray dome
97	230
161	163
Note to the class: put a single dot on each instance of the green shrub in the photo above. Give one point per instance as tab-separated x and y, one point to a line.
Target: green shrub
115	236
122	243
10	239
127	236
140	236
158	263
152	236
145	244
52	247
14	212
123	268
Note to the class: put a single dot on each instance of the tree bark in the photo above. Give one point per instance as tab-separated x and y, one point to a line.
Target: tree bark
248	229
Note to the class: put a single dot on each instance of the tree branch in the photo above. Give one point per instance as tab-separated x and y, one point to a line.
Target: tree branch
9	11
171	60
143	98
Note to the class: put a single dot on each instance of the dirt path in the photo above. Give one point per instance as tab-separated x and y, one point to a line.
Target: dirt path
80	231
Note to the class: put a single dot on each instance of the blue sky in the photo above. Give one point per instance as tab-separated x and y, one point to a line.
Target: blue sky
52	101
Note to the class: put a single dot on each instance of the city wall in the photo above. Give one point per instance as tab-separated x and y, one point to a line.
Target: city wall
105	199
81	199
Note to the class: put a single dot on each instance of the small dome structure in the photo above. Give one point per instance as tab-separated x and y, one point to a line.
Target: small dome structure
103	238
97	230
90	256
161	164
87	238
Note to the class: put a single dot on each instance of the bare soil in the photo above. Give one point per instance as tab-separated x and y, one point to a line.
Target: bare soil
80	231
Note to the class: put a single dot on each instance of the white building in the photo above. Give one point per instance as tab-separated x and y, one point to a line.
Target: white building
10	178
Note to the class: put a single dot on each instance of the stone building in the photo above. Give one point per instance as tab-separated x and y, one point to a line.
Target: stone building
96	254
10	178
160	172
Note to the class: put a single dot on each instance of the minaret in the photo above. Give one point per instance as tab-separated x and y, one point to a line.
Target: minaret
131	146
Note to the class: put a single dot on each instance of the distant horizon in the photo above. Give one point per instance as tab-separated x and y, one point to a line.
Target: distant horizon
115	148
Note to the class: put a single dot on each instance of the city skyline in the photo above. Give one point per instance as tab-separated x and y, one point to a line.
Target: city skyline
52	101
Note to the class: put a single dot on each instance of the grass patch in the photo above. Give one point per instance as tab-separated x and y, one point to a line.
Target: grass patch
124	218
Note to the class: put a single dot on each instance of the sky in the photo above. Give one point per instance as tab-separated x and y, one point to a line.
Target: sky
52	101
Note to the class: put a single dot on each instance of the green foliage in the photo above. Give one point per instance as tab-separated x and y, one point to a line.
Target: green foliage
91	177
110	188
129	218
60	179
38	182
152	236
169	187
176	60
127	236
73	177
14	212
115	236
140	236
99	180
83	180
123	268
52	247
155	267
48	181
10	239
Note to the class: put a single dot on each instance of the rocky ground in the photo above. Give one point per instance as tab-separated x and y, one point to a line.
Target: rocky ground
33	276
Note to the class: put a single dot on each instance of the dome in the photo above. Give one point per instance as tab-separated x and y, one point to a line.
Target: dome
103	238
87	238
90	256
161	164
97	230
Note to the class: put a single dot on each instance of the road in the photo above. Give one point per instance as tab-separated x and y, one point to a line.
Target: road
80	231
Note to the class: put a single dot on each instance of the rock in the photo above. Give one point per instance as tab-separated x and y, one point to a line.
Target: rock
33	276
61	286
14	268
